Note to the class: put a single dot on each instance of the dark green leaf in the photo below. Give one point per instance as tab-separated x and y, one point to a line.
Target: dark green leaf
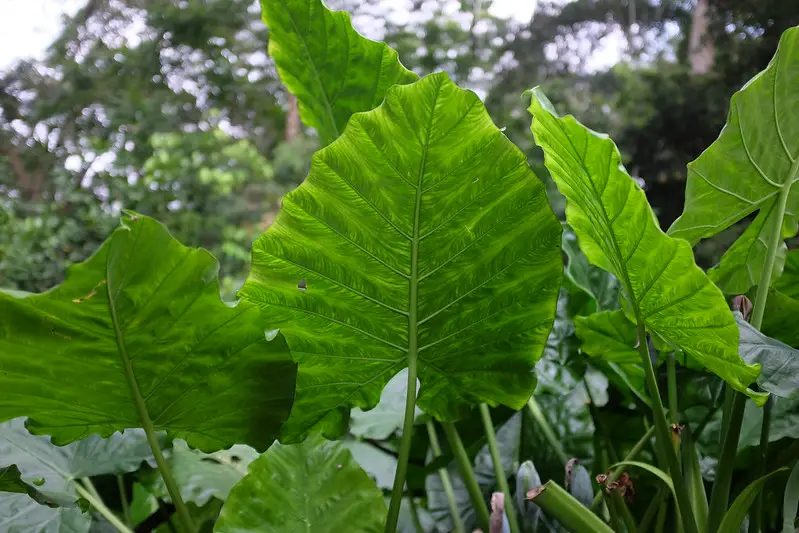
779	318
746	168
421	233
617	230
735	515
788	283
779	362
143	312
790	501
313	486
332	70
599	284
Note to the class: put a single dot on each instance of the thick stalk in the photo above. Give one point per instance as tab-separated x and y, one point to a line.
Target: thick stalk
123	498
756	518
629	457
563	507
146	422
417	523
446	482
720	494
624	511
499	470
405	446
663	434
546	429
100	507
467	473
674	413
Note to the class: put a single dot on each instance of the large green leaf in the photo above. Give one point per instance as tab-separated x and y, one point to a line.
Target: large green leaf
754	160
142	320
332	70
53	470
387	416
779	362
312	486
419	235
617	230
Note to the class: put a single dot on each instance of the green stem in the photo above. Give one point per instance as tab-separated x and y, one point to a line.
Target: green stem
756	518
563	507
546	429
446	482
624	511
146	422
651	510
467	473
660	524
629	457
123	497
100	507
417	523
405	444
91	488
663	434
674	413
720	494
499	470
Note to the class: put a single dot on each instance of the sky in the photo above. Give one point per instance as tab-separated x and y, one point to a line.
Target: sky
28	26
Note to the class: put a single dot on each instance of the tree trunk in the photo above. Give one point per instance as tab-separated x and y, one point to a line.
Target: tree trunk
700	44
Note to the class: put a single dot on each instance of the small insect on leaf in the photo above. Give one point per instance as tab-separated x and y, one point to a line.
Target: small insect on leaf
302	285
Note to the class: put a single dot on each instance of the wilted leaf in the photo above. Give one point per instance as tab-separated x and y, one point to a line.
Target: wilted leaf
331	69
423	237
754	161
313	486
617	230
124	325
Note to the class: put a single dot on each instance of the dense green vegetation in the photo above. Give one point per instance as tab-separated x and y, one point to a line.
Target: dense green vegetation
442	325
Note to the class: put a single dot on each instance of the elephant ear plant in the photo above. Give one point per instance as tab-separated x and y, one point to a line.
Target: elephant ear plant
420	242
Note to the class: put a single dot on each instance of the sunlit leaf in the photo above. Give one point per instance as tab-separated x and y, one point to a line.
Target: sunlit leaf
419	235
332	70
313	486
617	230
753	162
142	318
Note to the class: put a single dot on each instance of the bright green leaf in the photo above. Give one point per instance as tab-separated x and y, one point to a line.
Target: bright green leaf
617	230
313	486
608	335
779	362
420	234
754	160
142	316
735	515
332	70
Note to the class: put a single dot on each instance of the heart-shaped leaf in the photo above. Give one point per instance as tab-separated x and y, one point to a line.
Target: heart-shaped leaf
138	330
751	166
420	237
331	69
663	288
312	486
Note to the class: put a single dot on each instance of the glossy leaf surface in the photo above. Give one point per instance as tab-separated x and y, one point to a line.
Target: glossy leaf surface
332	69
312	486
420	233
205	370
755	157
617	230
